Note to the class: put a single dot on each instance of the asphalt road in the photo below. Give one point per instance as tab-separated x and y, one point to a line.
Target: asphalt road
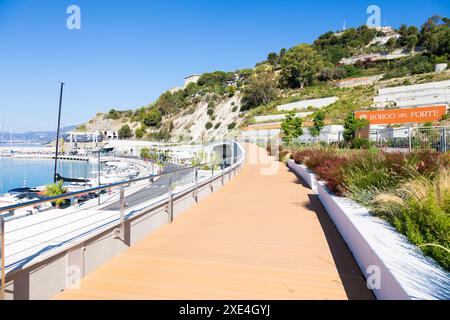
156	189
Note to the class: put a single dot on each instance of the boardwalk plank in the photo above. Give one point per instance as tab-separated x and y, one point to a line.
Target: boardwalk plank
259	237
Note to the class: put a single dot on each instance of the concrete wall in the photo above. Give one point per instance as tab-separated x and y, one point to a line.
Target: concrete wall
416	87
329	134
415	95
316	103
280	117
254	135
308	177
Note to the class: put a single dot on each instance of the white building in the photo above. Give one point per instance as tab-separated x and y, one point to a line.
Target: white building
329	134
110	135
260	135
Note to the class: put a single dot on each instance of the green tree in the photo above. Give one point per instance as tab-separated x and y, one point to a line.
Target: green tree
435	36
411	42
139	133
153	118
125	132
318	124
300	66
215	79
113	114
273	59
391	44
261	89
291	127
231	90
352	125
145	153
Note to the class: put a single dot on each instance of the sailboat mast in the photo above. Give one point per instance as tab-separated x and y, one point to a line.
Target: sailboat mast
57	132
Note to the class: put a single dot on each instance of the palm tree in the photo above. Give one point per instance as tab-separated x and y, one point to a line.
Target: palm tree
55	189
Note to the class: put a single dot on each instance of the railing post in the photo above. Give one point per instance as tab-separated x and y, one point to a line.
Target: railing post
2	248
445	139
196	183
122	211
170	201
409	138
212	175
223	172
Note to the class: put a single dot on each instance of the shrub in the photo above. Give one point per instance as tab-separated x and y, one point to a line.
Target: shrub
331	171
426	161
420	210
152	118
235	108
366	177
217	126
145	153
208	125
283	155
113	114
361	143
125	132
231	126
316	156
301	156
210	112
139	133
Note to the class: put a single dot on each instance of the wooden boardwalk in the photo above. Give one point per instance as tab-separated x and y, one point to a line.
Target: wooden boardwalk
259	237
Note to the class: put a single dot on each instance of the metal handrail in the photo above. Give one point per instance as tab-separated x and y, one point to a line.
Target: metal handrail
100	188
231	161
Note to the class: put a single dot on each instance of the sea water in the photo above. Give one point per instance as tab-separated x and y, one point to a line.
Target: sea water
17	173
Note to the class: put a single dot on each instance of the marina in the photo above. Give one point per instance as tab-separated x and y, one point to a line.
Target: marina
24	177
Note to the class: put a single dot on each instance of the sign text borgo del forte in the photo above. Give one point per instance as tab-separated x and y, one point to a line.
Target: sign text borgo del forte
404	115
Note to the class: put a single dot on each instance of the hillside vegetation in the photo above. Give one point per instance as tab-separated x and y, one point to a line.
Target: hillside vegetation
220	102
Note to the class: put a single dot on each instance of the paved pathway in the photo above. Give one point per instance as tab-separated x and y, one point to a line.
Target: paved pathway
259	237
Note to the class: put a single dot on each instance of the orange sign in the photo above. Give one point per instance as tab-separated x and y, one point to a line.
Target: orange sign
406	115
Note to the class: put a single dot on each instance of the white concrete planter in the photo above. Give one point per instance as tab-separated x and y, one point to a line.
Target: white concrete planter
308	176
404	272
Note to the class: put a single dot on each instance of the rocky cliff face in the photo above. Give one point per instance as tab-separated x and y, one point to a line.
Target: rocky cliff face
195	125
199	122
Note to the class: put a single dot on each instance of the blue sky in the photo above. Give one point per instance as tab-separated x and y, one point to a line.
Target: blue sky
128	52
